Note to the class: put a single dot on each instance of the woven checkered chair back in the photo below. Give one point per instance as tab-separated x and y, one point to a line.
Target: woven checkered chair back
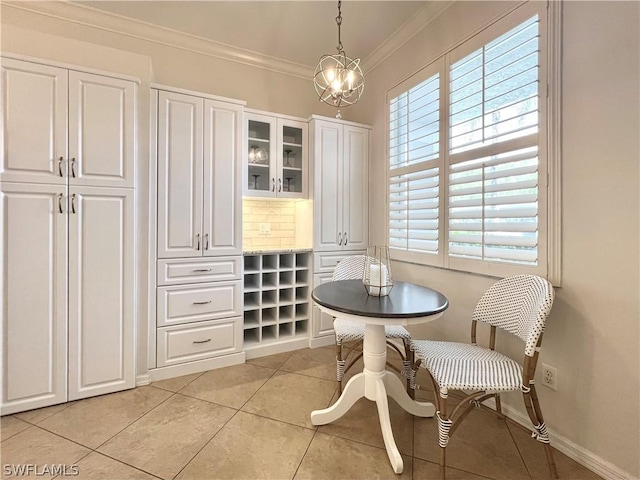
350	268
520	305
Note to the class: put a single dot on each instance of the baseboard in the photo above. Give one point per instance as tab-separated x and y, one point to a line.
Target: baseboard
322	341
572	450
142	380
280	347
172	371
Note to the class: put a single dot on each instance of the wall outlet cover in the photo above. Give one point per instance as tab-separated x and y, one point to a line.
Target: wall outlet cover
264	228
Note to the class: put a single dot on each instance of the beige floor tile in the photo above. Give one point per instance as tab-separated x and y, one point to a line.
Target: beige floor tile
40	414
10	426
315	362
431	471
98	467
229	386
291	398
175	384
535	459
251	447
93	421
480	437
167	438
331	457
271	361
361	423
39	448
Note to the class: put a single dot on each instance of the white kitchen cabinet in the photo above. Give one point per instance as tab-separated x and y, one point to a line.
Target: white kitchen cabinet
34	296
199	171
101	291
341	185
66	181
196	291
276	156
68	270
63	126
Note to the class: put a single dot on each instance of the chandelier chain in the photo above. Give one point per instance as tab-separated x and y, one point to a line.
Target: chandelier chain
339	22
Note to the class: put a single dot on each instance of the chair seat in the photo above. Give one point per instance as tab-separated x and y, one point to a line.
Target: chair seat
347	331
462	366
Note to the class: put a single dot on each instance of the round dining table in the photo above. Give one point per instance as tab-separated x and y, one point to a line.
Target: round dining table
406	304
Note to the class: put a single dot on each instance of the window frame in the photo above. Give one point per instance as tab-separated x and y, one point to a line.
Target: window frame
549	148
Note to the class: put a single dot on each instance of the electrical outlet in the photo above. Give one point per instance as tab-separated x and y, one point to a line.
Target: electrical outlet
549	377
264	228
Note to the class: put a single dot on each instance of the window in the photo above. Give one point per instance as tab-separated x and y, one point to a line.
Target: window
468	156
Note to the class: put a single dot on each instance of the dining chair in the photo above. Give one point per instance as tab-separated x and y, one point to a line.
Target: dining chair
518	305
347	331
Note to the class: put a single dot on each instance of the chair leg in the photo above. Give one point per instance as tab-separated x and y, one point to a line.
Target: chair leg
540	429
339	366
408	369
499	406
444	425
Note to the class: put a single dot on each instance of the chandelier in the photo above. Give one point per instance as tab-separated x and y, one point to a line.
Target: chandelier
338	79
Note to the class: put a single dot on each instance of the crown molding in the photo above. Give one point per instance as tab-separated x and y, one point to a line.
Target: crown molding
405	32
110	22
138	29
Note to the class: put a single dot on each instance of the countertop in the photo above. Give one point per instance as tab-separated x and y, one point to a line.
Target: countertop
269	251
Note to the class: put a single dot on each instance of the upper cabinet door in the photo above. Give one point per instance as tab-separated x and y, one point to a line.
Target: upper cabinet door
101	131
179	175
328	188
293	165
261	156
222	207
355	188
34	123
33	229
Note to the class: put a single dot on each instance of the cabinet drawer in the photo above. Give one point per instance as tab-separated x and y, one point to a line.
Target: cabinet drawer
187	270
193	303
181	344
326	262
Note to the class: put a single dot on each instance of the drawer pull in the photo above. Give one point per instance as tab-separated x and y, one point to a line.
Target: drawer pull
202	270
202	341
202	303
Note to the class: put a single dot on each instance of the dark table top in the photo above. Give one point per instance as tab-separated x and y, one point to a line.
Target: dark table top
406	300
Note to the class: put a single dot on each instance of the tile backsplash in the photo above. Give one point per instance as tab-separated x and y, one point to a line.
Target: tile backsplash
276	224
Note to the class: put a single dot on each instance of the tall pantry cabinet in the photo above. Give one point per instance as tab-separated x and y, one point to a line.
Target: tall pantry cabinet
199	233
340	152
67	234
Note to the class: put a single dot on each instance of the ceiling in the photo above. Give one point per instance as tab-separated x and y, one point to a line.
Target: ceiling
296	31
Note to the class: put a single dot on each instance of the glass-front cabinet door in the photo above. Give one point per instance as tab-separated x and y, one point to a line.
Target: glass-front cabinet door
276	157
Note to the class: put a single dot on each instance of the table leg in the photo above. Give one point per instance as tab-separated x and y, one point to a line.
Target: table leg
352	392
396	389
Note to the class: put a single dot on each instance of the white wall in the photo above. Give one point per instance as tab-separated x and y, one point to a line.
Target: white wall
593	335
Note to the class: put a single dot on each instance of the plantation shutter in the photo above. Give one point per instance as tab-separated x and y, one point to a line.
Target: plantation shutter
414	168
493	168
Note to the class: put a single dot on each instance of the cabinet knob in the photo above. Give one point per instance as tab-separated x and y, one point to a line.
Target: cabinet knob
197	241
345	239
206	302
60	160
73	167
206	241
202	341
59	203
201	269
340	238
273	184
279	184
73	203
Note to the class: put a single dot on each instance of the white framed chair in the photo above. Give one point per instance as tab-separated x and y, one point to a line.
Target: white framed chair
347	331
518	305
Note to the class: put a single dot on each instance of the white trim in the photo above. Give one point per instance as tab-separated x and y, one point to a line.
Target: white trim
153	229
69	66
323	341
340	121
198	366
142	380
572	450
554	144
419	21
273	348
184	91
110	22
255	111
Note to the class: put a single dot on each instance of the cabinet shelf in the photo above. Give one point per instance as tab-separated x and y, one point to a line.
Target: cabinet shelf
276	297
256	139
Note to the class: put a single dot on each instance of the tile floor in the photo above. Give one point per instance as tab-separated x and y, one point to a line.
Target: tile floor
252	421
